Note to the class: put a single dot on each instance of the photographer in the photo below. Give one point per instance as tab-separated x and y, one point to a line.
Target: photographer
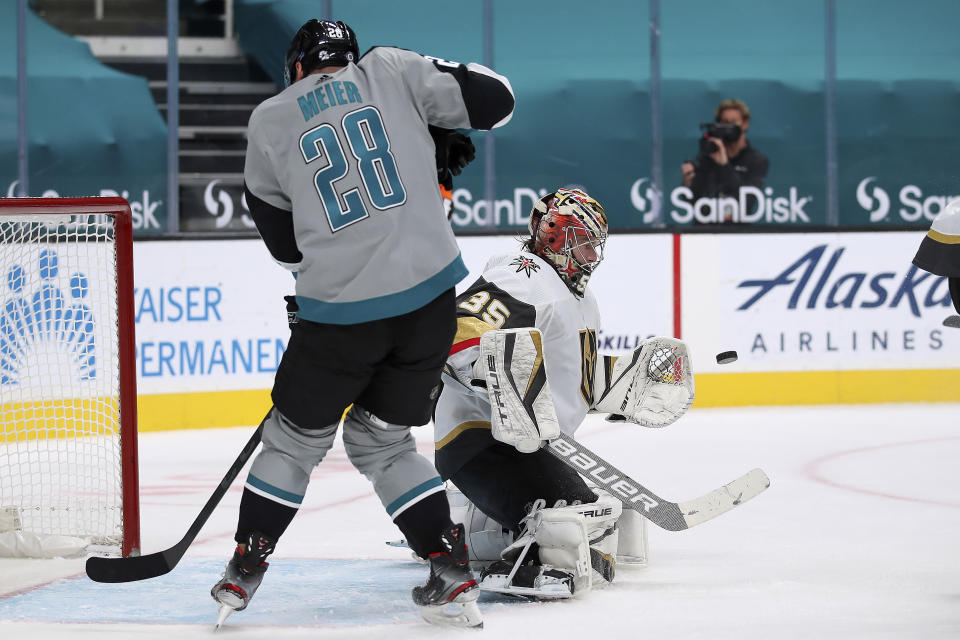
726	160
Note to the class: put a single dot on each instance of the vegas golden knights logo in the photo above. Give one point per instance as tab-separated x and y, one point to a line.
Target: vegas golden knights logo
588	358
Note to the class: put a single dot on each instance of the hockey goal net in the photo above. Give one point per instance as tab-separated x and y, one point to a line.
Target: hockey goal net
68	445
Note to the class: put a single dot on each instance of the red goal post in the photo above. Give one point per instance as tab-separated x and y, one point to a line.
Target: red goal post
68	446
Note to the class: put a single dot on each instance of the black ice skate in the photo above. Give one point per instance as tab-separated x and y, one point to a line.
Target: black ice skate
450	595
242	575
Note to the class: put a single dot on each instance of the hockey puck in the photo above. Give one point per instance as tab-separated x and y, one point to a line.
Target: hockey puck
952	321
726	357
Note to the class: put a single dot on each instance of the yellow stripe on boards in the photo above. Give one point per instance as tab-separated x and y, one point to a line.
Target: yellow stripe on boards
212	409
161	412
215	409
827	387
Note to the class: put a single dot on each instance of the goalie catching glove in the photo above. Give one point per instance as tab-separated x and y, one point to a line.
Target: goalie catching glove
651	387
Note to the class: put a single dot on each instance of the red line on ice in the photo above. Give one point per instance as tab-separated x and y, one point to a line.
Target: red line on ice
812	470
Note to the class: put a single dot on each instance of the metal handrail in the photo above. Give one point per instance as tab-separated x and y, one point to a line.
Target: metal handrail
228	19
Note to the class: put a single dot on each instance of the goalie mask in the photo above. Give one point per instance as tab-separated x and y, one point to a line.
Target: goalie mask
568	229
320	43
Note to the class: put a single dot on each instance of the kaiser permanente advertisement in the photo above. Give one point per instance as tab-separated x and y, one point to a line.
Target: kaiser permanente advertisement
833	317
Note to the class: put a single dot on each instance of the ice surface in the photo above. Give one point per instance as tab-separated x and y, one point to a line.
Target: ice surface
857	537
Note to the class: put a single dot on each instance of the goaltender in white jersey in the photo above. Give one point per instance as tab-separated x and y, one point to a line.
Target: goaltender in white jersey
526	352
521	289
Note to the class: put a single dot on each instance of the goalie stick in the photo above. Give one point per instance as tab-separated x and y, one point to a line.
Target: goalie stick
156	564
672	516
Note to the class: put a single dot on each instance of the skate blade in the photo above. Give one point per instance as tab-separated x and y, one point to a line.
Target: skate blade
495	584
529	593
228	598
225	610
402	544
454	614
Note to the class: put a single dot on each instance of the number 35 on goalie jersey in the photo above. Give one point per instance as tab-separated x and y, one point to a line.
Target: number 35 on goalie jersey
485	306
508	297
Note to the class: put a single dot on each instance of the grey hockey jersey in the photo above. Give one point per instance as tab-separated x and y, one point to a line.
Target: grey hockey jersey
341	180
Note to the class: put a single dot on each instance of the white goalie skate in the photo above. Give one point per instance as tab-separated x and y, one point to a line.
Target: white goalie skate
562	552
529	581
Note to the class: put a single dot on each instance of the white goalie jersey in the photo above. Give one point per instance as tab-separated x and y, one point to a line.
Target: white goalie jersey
516	290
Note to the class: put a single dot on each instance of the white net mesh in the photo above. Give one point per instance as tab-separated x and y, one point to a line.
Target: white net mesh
60	463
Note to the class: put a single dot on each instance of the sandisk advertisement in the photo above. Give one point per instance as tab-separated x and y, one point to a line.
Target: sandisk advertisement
825	301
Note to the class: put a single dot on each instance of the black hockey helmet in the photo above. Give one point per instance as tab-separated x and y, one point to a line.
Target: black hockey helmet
320	43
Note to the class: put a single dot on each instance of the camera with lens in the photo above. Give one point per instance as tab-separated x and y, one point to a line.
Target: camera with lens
723	130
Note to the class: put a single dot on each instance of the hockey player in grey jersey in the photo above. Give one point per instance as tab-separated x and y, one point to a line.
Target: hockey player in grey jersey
341	180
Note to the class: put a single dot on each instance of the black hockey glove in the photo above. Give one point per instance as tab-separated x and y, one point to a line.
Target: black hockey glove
454	152
292	309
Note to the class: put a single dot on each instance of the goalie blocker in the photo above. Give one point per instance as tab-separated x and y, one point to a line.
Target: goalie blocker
521	405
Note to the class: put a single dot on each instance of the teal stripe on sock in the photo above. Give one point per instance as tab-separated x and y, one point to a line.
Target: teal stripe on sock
254	481
420	489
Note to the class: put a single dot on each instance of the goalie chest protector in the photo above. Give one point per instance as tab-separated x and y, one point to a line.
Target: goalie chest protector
522	290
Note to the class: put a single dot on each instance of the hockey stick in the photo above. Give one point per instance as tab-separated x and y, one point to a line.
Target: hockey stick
156	564
672	516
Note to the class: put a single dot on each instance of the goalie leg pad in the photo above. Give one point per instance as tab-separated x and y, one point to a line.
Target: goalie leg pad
559	536
632	549
522	411
486	538
600	520
562	537
576	544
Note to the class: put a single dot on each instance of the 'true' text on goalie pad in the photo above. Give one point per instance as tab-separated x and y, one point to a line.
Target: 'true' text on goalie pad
521	405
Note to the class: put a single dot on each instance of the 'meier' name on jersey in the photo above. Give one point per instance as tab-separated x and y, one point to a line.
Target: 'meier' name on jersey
328	95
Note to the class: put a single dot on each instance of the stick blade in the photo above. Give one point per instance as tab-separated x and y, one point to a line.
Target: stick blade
128	569
719	501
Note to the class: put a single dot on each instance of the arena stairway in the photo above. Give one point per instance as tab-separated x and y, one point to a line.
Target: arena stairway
216	97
